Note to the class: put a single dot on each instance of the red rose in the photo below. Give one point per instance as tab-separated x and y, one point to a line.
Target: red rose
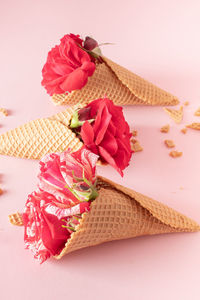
43	232
67	67
109	135
67	185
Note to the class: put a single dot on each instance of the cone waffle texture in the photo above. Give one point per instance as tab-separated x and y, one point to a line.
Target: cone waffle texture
195	126
176	115
16	219
120	213
35	139
120	85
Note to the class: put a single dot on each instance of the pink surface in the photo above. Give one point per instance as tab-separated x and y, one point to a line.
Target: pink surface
159	40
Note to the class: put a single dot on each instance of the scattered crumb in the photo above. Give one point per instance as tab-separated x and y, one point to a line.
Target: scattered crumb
197	112
16	219
195	126
4	112
186	103
181	188
169	143
184	130
175	154
1	191
165	128
134	132
135	146
176	115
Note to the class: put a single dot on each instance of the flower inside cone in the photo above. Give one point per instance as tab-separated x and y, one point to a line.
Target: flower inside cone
104	131
67	185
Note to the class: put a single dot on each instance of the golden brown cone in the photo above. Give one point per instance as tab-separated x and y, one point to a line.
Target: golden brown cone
120	85
35	139
121	213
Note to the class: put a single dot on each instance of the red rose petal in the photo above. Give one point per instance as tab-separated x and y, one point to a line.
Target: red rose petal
89	67
87	133
108	158
109	143
101	124
75	80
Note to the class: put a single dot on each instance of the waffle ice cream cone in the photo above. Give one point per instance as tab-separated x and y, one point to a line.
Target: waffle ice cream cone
35	139
120	85
121	213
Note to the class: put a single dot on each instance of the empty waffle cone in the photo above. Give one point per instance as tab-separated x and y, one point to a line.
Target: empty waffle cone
121	213
118	84
35	139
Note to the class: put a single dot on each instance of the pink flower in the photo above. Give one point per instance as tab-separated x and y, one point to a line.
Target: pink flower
61	170
68	66
67	185
45	222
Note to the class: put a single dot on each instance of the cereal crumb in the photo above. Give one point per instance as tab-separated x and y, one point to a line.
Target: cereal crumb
165	128
176	115
135	146
195	126
134	132
4	112
184	130
16	219
175	154
169	143
186	103
197	112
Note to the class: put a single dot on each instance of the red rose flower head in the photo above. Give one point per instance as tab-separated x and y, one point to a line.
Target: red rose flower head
67	185
105	132
68	66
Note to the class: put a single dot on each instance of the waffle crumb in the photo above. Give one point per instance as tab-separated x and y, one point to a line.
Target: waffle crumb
135	146
184	130
197	112
165	128
175	154
176	115
169	143
16	219
195	126
4	111
1	191
186	103
181	188
134	133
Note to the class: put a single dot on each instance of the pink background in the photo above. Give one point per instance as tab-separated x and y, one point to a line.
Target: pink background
159	40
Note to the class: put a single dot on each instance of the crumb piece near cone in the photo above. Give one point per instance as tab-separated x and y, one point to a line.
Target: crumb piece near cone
184	130
186	103
4	111
135	146
181	188
175	154
1	191
165	128
195	126
169	143
176	115
16	219
134	133
197	112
